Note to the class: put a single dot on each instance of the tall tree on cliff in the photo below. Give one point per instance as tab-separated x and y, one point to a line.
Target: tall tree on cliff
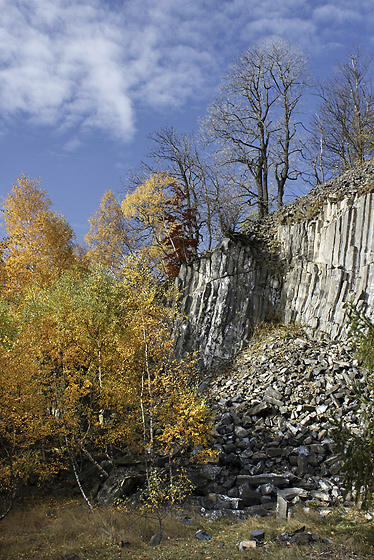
343	128
253	120
205	184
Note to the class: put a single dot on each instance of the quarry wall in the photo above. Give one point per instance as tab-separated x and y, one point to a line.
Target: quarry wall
301	264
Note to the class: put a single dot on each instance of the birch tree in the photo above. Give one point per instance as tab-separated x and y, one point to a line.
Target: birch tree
39	244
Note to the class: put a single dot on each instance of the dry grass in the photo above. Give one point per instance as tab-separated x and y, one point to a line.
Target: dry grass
48	529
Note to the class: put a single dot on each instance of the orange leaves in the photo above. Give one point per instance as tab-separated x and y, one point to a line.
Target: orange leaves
39	243
109	238
86	354
160	208
153	222
179	240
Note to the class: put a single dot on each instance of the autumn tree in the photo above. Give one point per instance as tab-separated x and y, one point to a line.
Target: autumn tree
253	121
86	353
39	244
177	155
91	370
38	247
162	220
208	184
343	128
109	238
356	447
27	433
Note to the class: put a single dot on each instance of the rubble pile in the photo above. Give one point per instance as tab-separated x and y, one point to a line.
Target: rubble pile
274	410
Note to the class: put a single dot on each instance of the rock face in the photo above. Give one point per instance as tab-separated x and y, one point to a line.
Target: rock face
301	264
329	261
224	294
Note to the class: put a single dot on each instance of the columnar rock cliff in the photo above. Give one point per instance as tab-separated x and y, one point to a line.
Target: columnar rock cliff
301	264
224	294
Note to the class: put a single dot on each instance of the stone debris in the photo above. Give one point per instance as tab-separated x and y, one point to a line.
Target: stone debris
244	545
202	535
299	537
274	410
156	539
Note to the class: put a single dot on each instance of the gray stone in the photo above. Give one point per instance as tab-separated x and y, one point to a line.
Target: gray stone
258	535
302	464
261	510
202	535
268	478
156	539
248	496
120	483
273	401
259	408
241	432
227	502
274	451
290	493
282	508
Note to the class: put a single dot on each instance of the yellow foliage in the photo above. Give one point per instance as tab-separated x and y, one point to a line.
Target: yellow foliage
146	210
39	245
147	201
109	238
86	355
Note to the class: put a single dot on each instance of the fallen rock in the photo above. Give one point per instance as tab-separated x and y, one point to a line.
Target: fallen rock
156	539
202	535
274	410
258	535
244	545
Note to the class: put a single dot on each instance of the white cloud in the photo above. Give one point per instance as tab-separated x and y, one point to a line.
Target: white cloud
79	64
62	66
83	65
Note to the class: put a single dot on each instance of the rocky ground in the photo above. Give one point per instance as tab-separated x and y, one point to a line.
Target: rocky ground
274	409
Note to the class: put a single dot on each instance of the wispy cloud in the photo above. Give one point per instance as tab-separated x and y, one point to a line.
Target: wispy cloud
84	65
80	65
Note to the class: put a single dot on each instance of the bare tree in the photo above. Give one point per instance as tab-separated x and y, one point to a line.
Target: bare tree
343	128
206	183
288	70
253	120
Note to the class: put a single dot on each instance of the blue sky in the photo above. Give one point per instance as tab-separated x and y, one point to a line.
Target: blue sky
82	82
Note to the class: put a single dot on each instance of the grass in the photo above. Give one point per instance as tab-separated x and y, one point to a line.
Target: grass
48	529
